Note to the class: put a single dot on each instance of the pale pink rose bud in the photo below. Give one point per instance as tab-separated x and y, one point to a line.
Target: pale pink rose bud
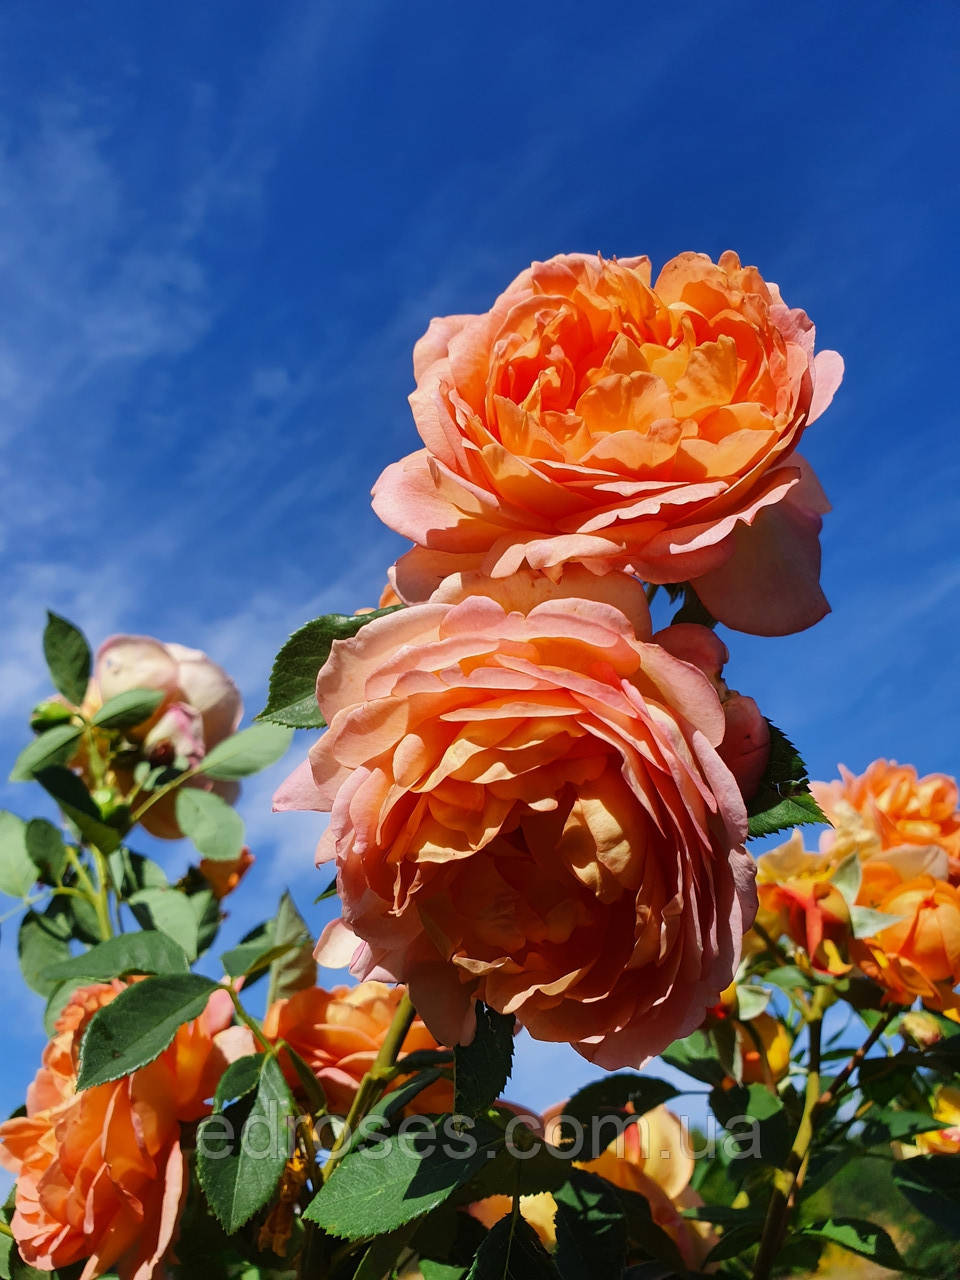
209	689
921	1027
134	662
178	732
745	749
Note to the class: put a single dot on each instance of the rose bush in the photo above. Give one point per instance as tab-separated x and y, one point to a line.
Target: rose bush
591	417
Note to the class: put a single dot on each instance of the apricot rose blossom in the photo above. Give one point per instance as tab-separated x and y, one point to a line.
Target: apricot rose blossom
589	417
528	807
338	1034
100	1174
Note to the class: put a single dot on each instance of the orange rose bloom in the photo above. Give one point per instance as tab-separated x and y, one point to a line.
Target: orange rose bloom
338	1034
798	899
776	1042
946	1107
528	808
919	955
591	417
653	1157
100	1174
897	808
224	876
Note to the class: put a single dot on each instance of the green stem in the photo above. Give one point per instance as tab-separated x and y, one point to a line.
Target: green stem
785	1179
374	1082
102	901
840	1083
163	791
251	1023
99	899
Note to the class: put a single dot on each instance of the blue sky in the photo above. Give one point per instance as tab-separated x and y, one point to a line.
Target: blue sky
222	228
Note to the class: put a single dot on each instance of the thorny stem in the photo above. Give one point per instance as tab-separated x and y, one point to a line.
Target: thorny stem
787	1181
784	1181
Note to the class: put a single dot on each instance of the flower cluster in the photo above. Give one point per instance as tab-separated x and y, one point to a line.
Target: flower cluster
896	915
101	1174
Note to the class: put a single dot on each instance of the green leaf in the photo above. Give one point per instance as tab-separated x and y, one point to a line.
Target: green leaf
145	952
215	829
865	922
250	958
646	1234
46	848
693	609
329	892
512	1250
403	1178
931	1185
68	657
139	1024
296	968
790	977
608	1097
732	1243
482	1067
379	1259
751	1002
206	912
883	1125
78	805
42	940
240	1179
56	1001
246	752
783	798
847	878
292	699
132	871
591	1229
858	1236
170	911
241	1077
18	871
696	1055
431	1269
129	708
757	1120
55	747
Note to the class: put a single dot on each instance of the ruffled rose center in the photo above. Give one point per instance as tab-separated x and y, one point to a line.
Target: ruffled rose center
605	373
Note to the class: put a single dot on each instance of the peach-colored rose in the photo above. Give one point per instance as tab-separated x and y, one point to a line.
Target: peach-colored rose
538	1210
201	707
590	418
898	809
799	899
224	876
745	748
338	1034
653	1157
775	1043
528	807
919	953
946	1108
100	1174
